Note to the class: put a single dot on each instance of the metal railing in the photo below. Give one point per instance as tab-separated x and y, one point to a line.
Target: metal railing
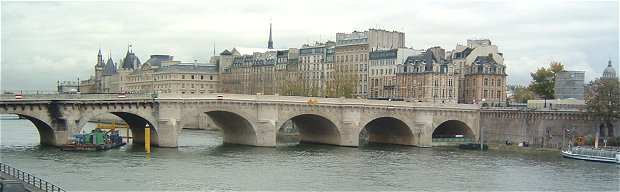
30	179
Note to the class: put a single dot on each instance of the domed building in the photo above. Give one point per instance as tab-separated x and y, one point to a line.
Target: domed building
609	72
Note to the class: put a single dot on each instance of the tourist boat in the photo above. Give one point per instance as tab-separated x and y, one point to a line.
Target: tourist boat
590	154
97	140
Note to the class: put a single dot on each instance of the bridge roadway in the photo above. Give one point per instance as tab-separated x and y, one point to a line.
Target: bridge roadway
249	119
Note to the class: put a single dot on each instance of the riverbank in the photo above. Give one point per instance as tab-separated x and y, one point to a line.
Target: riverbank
516	148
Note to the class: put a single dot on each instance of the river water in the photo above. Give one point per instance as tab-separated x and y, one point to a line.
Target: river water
203	163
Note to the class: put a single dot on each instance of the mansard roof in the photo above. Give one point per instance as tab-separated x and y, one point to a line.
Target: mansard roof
481	60
226	52
181	68
156	60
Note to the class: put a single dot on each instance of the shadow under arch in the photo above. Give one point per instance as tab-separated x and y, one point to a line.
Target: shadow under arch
136	125
237	129
312	129
386	130
452	132
47	135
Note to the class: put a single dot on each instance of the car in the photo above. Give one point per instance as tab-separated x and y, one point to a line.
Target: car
121	96
19	96
220	97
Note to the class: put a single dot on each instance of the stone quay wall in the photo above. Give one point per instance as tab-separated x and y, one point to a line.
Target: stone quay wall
539	128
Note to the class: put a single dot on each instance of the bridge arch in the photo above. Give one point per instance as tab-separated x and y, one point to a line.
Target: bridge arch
47	134
237	128
136	123
386	130
313	128
452	132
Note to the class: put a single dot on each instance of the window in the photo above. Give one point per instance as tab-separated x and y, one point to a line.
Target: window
486	82
182	76
202	77
210	77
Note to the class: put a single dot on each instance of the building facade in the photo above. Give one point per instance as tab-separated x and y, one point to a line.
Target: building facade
427	77
382	69
316	67
569	84
352	54
476	63
485	82
373	64
160	74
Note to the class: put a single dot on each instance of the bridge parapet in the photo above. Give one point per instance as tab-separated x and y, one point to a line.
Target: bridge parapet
52	96
317	101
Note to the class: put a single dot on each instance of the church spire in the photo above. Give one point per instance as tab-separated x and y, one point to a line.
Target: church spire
609	63
99	60
270	43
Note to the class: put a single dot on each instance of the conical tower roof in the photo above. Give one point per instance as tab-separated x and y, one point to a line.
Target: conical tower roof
110	67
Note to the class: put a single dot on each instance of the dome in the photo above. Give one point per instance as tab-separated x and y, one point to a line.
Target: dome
609	72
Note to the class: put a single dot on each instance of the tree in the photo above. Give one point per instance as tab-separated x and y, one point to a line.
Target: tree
522	94
603	100
543	80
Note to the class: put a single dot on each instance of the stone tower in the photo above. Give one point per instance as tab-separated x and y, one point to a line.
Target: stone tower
99	73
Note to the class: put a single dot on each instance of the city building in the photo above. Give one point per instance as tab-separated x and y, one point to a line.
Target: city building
372	64
249	70
316	67
382	71
351	58
481	69
569	84
427	77
287	72
485	82
159	74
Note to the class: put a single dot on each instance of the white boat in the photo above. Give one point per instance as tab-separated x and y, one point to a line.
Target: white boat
589	154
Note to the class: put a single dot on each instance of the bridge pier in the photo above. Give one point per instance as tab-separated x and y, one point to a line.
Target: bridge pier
168	131
266	133
349	134
424	122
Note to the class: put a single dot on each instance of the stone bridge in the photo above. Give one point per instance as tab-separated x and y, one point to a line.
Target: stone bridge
250	119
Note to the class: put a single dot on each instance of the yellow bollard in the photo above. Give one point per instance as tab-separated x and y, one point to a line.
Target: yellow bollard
147	140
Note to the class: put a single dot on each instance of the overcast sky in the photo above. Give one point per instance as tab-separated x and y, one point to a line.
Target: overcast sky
43	42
